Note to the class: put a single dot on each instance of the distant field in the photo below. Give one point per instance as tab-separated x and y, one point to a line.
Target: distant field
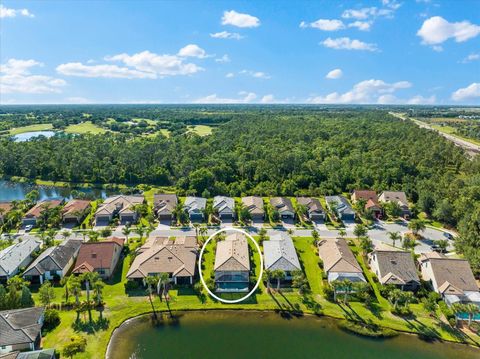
445	129
31	128
201	130
84	127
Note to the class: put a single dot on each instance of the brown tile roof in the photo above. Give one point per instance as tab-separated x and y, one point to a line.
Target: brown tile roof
337	256
164	203
122	203
75	205
394	196
365	194
282	204
96	255
6	206
253	204
313	204
37	210
232	254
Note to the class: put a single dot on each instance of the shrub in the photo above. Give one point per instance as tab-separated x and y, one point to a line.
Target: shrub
131	285
51	319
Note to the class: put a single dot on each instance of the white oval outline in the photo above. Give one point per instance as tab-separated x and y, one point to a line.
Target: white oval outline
230	301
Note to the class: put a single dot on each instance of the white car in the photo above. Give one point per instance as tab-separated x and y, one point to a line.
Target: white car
28	228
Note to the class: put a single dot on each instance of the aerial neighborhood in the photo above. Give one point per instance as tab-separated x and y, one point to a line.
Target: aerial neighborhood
151	243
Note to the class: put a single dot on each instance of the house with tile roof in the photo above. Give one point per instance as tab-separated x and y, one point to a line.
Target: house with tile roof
17	256
75	210
452	278
54	263
101	257
162	255
339	263
121	206
164	205
21	329
398	197
232	264
33	214
341	207
279	254
5	207
314	208
224	207
195	207
284	207
371	201
395	267
255	207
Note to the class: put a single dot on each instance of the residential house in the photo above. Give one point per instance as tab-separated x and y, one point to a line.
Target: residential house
5	207
75	210
398	197
371	201
279	253
341	207
232	264
314	208
16	257
339	263
255	207
21	329
284	207
452	278
33	215
195	207
101	257
395	267
224	206
35	354
162	255
164	205
54	263
121	206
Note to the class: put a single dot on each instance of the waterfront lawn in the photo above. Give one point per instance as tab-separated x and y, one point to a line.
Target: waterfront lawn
121	305
85	127
31	128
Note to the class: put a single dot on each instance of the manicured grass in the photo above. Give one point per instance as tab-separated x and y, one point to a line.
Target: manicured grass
121	306
201	130
84	127
31	128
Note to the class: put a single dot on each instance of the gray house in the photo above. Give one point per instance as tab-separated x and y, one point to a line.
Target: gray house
195	207
284	207
341	207
395	267
21	329
315	210
255	207
224	206
121	206
54	263
280	254
164	205
17	256
399	197
232	264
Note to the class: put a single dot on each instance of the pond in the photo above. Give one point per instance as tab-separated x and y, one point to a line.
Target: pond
10	191
22	137
240	334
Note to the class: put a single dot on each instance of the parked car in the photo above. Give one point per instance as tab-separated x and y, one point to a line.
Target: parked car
28	228
437	248
447	235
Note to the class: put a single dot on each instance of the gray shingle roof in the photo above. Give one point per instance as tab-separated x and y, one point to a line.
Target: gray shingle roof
224	204
313	204
395	266
280	253
12	257
37	354
164	203
195	204
253	204
342	204
282	204
20	326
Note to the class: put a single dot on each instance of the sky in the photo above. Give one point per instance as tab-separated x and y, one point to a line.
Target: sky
323	52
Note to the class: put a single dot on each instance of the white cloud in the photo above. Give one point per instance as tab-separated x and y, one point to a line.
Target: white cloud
368	91
192	50
143	65
361	25
239	20
230	75
15	77
334	74
324	24
227	35
467	93
77	100
245	97
437	30
470	58
256	74
268	99
345	43
224	59
420	100
8	12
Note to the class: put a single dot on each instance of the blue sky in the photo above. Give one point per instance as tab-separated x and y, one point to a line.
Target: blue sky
417	52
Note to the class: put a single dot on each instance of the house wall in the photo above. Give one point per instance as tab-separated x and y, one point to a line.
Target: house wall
427	274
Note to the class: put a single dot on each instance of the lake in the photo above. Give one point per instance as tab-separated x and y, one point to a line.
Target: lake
22	137
240	334
10	191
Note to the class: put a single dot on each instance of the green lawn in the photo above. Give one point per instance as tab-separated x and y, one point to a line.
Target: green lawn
200	130
121	306
84	127
31	128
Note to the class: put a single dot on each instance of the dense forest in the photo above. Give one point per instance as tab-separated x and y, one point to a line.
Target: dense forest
280	151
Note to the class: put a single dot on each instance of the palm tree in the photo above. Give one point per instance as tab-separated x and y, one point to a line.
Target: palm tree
126	232
360	231
65	234
203	232
472	309
395	297
65	282
416	225
347	287
196	226
162	286
93	236
140	231
290	232
394	236
98	290
336	285
456	309
151	281
342	233
267	277
278	275
75	288
366	244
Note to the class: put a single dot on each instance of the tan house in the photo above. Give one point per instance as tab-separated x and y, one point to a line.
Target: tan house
162	255
101	257
121	206
398	197
164	205
371	201
255	207
75	210
232	264
33	215
284	207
